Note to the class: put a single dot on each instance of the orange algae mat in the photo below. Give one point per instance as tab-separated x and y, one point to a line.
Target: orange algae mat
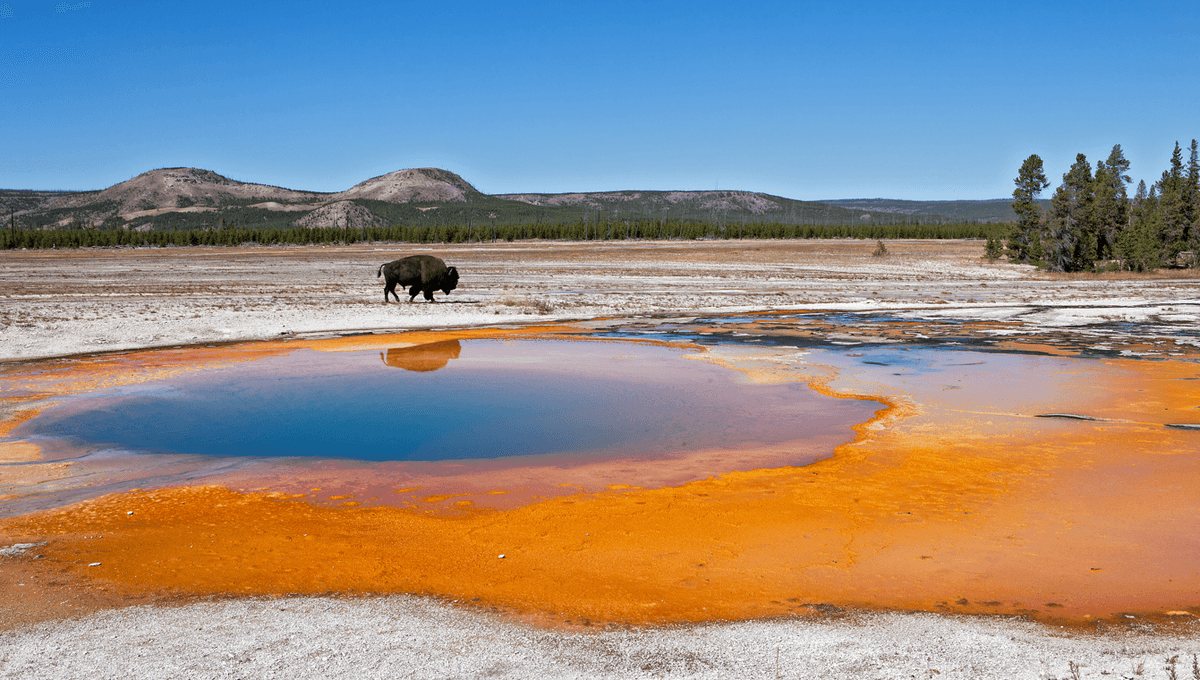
957	498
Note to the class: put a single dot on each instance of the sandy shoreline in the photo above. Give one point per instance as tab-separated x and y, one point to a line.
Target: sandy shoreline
118	300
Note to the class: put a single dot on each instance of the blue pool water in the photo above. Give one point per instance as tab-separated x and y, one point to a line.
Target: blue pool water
454	400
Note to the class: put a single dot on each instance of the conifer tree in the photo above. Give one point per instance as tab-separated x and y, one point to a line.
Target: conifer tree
1138	243
1173	223
1191	185
1191	201
1111	201
1024	241
1070	243
992	249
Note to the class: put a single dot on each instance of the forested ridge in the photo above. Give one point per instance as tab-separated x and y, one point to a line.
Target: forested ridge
464	233
1089	223
1092	223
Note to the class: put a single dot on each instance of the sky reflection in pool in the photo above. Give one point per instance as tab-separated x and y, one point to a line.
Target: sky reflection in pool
450	401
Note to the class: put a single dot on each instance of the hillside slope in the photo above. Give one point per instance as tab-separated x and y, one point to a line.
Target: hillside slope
990	210
184	199
171	188
418	185
711	206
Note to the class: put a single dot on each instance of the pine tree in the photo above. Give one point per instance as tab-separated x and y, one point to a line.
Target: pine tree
1191	201
1173	222
1031	181
992	249
1191	186
1138	243
1111	209
1070	242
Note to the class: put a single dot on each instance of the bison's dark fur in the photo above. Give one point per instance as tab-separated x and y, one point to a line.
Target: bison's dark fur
419	274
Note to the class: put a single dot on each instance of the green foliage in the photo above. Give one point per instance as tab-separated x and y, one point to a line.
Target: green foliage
19	200
236	234
1070	243
1173	223
1111	207
233	217
1137	245
992	250
1037	251
1030	182
1191	201
633	206
995	211
1093	224
47	219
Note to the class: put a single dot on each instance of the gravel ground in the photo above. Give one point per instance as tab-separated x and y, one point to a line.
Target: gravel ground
63	303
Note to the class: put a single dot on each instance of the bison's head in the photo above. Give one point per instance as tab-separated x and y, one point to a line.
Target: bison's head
450	280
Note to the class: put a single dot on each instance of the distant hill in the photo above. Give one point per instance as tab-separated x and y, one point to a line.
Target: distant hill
24	200
176	188
988	211
707	206
422	185
189	198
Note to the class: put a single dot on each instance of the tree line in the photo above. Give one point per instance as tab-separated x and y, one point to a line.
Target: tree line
1093	224
468	233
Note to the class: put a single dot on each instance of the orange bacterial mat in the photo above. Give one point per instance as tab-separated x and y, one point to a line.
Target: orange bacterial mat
992	483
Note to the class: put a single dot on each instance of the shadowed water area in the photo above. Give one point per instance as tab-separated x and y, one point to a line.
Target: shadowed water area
452	400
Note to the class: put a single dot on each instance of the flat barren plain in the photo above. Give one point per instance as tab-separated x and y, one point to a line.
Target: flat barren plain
1019	498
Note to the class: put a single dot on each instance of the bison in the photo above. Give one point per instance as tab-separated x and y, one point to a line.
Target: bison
419	274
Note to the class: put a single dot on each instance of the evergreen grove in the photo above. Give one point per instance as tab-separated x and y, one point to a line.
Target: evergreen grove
1093	224
579	231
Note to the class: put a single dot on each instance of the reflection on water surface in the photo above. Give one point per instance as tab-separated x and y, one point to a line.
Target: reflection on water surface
477	399
421	358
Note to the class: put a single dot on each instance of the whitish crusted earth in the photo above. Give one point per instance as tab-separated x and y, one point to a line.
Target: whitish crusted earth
403	637
61	303
56	303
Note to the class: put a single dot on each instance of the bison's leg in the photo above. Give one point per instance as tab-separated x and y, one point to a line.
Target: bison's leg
390	288
412	292
429	294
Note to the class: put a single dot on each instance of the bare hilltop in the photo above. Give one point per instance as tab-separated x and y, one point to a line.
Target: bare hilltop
192	198
192	190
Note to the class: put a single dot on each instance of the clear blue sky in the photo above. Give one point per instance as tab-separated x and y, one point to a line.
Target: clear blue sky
808	100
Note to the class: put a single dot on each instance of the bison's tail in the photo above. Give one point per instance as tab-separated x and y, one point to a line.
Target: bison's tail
380	272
